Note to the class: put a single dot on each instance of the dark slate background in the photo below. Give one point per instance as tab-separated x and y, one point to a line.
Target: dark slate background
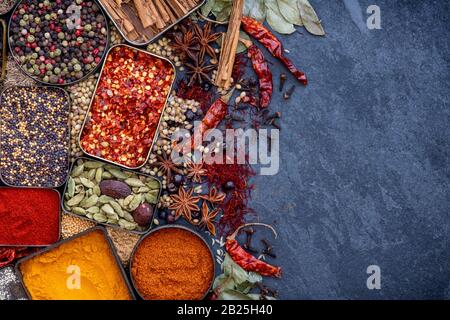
364	173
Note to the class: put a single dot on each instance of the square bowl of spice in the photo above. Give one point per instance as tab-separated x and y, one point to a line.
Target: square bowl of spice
84	267
126	108
142	21
34	136
109	195
29	216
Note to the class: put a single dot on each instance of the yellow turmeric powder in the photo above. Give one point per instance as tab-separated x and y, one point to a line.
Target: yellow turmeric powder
81	269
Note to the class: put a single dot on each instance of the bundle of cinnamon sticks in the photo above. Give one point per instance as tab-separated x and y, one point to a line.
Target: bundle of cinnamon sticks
142	19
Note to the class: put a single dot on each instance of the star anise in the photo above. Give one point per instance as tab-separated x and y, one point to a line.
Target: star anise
205	37
186	44
165	164
214	196
195	171
184	203
208	217
198	72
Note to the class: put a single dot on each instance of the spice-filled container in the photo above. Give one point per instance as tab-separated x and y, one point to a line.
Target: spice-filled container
142	21
34	136
110	195
84	267
58	42
3	51
172	263
29	217
127	105
6	6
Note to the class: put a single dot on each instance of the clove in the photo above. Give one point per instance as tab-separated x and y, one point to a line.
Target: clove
268	250
283	78
248	243
288	94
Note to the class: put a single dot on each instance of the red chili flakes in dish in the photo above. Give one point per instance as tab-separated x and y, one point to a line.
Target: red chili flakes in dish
127	106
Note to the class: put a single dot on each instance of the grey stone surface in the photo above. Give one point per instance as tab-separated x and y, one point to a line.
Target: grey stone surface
364	174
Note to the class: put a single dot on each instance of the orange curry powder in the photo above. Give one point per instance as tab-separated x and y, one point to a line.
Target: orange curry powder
172	264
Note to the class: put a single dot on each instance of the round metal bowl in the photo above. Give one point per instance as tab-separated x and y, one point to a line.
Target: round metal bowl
172	227
16	59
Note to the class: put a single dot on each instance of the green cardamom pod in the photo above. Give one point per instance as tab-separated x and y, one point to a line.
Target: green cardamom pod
106	208
77	171
143	189
127	200
89	202
91	174
133	182
99	175
117	173
79	211
106	175
117	208
112	221
85	182
151	198
93	210
71	187
75	200
127	216
96	190
135	202
100	218
93	164
153	184
105	199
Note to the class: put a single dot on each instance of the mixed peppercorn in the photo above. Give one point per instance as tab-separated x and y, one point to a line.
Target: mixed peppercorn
58	42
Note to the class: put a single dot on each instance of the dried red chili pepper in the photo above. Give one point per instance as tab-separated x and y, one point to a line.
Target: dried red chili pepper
245	260
263	72
271	43
7	255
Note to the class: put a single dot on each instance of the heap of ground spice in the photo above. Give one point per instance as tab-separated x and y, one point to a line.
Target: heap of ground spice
172	264
234	179
29	216
124	242
54	274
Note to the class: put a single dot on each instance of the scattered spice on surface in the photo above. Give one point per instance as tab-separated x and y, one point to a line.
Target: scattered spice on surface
124	242
46	275
10	286
28	216
127	106
34	134
247	261
71	225
234	179
172	264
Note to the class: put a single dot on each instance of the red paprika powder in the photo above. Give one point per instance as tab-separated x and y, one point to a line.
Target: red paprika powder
29	217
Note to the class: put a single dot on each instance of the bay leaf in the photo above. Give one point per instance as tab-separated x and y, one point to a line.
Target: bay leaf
255	9
207	7
275	19
230	294
290	11
310	19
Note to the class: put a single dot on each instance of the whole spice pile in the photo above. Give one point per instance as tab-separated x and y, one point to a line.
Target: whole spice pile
28	216
45	276
5	6
141	20
172	264
127	106
107	194
34	134
72	225
58	42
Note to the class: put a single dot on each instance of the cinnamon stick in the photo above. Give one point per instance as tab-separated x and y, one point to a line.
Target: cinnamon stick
173	19
143	11
162	10
230	43
178	7
159	21
118	15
